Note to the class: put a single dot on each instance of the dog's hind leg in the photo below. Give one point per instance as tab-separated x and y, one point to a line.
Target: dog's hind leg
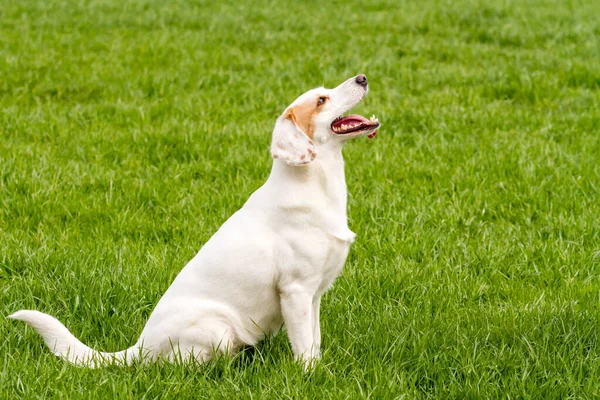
215	337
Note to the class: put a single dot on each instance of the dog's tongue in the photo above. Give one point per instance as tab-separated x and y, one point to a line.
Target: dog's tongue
350	119
353	119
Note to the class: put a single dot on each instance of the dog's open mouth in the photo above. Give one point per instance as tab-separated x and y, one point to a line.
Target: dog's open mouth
355	123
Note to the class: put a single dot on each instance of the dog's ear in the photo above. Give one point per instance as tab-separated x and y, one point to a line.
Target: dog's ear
290	143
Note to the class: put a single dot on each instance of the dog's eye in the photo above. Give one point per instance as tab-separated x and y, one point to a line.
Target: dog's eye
321	101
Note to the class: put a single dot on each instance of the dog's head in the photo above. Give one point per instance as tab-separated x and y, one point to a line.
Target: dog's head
316	118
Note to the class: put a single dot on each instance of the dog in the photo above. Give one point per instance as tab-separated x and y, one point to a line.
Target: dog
269	264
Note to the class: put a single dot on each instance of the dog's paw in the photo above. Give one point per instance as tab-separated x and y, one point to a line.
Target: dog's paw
310	360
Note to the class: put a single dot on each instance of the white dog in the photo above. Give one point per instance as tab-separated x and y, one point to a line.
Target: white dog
269	263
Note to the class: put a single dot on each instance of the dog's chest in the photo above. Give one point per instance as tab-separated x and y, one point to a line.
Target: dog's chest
337	252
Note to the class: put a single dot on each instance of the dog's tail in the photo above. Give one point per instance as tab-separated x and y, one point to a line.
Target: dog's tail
65	345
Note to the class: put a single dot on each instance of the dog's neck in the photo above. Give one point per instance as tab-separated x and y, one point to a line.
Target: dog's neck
316	191
323	178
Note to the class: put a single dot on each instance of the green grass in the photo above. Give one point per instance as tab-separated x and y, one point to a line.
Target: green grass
129	132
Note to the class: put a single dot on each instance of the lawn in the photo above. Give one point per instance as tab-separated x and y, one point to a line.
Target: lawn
130	131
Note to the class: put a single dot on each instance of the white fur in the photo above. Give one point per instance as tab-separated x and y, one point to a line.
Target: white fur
267	265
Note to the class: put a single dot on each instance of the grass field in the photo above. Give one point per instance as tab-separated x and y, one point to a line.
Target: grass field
129	132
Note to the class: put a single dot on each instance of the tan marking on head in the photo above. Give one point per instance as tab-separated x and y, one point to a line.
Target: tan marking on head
303	115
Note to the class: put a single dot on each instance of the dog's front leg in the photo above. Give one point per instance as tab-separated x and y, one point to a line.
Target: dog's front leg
316	326
297	310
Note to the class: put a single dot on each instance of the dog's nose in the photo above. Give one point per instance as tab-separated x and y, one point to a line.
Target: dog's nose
361	79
